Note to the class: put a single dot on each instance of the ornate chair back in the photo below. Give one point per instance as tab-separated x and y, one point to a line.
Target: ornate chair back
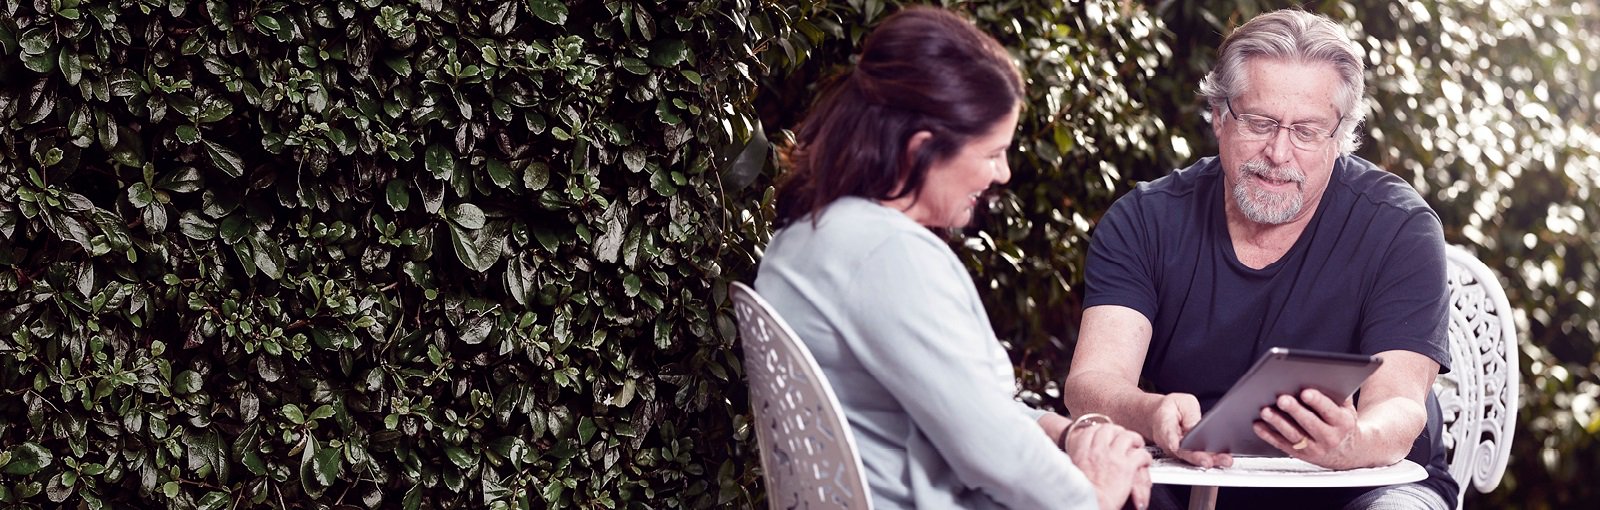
1479	395
808	456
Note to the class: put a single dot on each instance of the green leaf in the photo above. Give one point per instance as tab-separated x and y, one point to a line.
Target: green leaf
661	182
185	180
323	411
479	249
634	159
234	228
187	381
170	489
41	63
71	67
28	458
196	227
319	466
293	413
61	486
188	135
586	430
536	176
440	162
630	285
214	500
399	64
399	197
461	457
468	216
226	159
553	12
504	19
609	245
477	330
668	52
140	195
268	255
748	165
520	278
667	116
432	191
413	499
499	174
67	227
216	108
635	66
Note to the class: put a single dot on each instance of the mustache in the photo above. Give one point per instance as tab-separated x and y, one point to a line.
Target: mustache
1261	168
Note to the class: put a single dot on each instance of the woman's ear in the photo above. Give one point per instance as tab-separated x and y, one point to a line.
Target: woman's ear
914	145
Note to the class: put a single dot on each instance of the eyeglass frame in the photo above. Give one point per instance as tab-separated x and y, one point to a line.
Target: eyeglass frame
1294	132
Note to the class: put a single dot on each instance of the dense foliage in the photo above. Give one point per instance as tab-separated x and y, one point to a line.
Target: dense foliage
371	252
379	253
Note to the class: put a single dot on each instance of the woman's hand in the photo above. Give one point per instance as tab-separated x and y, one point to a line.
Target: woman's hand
1114	460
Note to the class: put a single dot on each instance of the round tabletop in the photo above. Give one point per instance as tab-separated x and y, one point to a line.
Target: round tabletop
1281	472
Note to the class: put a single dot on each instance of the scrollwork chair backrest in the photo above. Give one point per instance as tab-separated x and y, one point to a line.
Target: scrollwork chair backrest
808	455
1479	395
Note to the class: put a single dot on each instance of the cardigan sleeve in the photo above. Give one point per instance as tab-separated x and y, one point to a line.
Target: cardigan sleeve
915	322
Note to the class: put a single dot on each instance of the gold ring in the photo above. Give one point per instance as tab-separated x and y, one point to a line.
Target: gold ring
1304	442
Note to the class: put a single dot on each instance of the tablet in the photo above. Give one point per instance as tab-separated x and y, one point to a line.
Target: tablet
1227	426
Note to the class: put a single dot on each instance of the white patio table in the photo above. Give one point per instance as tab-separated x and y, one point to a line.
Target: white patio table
1273	472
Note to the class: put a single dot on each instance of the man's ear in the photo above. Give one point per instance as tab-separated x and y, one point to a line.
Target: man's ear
1216	120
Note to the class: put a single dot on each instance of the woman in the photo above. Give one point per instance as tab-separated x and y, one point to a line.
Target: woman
907	141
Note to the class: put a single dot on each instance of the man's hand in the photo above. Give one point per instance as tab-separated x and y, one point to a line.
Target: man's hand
1171	419
1312	428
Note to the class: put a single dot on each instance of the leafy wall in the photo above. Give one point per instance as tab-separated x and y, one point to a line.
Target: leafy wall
373	253
420	253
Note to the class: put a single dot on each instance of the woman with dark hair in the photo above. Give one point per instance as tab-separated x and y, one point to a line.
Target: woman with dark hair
909	140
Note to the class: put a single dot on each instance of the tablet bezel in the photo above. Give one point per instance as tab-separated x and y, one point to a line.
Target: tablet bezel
1280	371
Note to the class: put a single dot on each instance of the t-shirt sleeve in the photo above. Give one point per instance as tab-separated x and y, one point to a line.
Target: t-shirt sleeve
912	326
1121	267
1409	304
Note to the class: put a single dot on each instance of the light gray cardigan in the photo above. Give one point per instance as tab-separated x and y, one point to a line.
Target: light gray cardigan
893	319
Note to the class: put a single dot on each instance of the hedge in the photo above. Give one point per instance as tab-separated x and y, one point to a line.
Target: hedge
387	253
373	253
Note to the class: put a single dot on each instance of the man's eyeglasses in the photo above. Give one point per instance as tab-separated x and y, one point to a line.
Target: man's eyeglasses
1255	128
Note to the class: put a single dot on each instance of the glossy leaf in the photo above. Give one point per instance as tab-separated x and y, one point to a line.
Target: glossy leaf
26	459
467	216
224	158
553	12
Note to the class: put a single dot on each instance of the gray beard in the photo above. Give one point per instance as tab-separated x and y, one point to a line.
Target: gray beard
1262	206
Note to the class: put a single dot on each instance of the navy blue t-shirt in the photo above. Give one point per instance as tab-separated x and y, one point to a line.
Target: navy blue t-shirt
1367	275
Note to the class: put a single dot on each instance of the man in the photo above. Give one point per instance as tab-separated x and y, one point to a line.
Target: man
1284	239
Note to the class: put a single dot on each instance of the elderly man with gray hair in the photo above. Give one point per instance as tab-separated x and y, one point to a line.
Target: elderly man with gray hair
1283	239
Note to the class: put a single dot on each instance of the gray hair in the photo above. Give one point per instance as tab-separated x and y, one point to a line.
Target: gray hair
1296	36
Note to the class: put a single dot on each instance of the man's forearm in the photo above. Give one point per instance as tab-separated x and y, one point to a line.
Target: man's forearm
1093	392
1386	430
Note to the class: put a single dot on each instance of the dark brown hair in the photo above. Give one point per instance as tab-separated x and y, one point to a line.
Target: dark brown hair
922	69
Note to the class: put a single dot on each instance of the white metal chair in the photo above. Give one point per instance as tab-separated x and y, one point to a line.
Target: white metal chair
808	455
1479	395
